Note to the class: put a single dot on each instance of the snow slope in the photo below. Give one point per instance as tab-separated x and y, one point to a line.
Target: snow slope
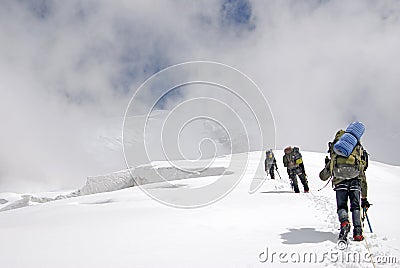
126	228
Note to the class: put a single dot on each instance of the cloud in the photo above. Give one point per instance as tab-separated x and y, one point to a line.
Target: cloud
334	64
68	69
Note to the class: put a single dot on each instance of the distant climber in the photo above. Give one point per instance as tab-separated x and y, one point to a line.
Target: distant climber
347	165
270	163
293	161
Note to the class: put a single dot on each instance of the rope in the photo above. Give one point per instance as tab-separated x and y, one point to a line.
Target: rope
325	184
362	227
367	246
369	251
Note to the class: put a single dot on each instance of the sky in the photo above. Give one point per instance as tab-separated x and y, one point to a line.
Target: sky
69	68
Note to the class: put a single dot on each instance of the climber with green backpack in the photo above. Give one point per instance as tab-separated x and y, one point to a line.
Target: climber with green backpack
346	167
293	161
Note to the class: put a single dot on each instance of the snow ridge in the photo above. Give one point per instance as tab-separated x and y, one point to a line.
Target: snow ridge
142	175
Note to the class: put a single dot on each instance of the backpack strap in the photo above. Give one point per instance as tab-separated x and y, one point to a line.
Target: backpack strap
332	163
360	162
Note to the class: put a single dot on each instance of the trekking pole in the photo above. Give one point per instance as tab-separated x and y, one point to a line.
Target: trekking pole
366	216
278	174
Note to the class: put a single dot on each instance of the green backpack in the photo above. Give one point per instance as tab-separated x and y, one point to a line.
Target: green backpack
346	167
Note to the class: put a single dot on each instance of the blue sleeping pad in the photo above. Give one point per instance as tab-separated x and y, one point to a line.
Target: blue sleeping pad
356	129
349	140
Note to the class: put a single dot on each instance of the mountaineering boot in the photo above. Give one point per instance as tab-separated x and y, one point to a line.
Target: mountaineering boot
357	230
357	234
344	230
358	238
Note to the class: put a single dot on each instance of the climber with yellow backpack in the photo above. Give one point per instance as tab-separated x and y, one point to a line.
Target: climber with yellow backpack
346	167
293	161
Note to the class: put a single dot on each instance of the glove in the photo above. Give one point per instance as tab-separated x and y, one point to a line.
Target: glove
364	203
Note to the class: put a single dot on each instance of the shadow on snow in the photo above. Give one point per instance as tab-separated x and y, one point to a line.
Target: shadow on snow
307	235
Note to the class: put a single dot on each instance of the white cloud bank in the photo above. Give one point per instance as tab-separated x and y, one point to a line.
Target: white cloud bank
67	67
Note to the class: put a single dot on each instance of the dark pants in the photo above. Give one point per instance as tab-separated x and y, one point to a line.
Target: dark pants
297	171
345	191
271	172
